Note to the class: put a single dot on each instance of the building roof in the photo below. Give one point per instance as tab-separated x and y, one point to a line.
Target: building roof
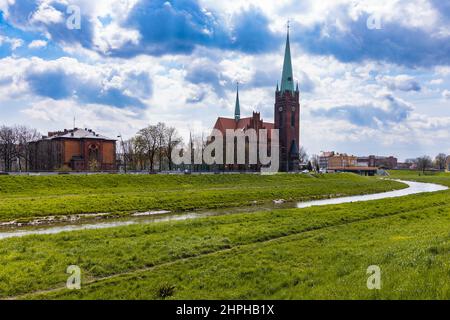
76	134
223	124
327	154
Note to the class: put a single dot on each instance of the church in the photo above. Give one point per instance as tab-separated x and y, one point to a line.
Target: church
286	117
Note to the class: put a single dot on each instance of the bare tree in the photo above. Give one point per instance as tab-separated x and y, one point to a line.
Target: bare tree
8	146
161	131
25	136
148	139
303	156
315	161
172	140
424	163
440	161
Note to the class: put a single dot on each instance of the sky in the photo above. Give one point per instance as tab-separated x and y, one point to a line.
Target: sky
374	75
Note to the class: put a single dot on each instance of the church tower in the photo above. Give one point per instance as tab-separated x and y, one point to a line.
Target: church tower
287	115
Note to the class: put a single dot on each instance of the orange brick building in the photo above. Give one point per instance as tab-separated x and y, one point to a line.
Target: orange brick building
76	150
342	160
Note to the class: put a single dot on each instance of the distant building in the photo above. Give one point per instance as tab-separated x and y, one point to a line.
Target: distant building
447	165
388	163
76	150
342	160
337	162
404	166
323	159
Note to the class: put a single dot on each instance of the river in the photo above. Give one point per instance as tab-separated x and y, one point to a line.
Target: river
146	218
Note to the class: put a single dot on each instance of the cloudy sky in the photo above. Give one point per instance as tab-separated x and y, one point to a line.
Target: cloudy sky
374	75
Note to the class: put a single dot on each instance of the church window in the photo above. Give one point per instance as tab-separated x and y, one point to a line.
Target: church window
93	152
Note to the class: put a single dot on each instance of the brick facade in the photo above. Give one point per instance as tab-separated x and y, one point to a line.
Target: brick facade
74	150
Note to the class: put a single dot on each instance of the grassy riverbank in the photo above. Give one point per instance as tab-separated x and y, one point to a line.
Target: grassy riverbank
27	197
320	252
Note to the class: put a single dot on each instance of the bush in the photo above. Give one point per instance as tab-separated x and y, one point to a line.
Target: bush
165	291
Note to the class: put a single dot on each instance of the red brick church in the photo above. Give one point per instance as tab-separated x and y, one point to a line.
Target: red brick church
286	117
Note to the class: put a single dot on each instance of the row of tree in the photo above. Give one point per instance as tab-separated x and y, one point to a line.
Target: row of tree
151	148
15	147
427	163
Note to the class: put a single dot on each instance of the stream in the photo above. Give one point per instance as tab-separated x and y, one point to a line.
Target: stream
149	217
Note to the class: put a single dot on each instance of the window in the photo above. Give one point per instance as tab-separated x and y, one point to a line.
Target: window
293	119
93	152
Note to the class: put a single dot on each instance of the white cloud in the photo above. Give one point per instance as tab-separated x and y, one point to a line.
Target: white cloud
14	43
436	82
46	14
446	94
37	44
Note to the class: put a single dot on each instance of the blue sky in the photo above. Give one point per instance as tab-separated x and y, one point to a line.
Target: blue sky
374	75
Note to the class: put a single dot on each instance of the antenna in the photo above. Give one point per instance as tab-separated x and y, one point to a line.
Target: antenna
74	122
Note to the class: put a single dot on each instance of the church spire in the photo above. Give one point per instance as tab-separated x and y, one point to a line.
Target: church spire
287	79
237	108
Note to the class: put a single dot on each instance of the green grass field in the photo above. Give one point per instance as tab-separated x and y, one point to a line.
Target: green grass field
27	197
314	253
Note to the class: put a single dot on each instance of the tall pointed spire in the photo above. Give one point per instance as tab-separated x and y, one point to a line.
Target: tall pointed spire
287	79
237	108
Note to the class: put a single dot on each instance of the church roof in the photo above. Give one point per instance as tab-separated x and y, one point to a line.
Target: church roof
222	124
287	78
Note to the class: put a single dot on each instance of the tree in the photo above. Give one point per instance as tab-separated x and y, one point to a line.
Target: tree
197	145
309	166
161	130
440	161
315	162
173	140
25	136
303	156
8	146
424	163
148	139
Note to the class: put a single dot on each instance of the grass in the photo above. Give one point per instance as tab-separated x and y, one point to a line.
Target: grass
27	197
314	253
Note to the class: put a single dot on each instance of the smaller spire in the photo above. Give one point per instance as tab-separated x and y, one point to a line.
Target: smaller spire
237	108
297	87
278	89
